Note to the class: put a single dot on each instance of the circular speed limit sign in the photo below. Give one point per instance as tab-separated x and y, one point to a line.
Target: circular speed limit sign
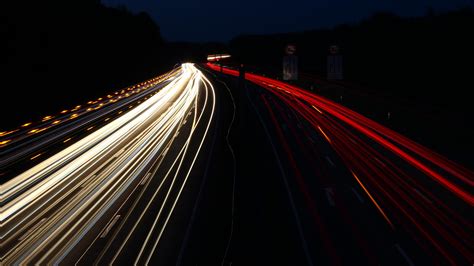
290	49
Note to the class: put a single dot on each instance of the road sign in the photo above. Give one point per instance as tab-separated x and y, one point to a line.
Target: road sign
290	49
334	67
334	49
290	67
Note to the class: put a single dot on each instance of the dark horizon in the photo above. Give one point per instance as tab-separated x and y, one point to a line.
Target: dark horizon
211	22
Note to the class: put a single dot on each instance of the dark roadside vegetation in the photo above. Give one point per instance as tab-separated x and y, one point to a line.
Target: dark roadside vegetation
58	54
63	53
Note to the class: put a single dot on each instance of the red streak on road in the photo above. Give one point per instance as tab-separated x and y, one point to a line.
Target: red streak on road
394	191
376	132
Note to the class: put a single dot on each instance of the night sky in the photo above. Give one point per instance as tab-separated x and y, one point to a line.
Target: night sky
221	20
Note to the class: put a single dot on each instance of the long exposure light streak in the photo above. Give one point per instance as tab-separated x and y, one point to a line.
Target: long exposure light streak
402	193
50	208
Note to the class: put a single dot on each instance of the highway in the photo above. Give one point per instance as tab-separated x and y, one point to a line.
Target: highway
358	192
198	167
112	187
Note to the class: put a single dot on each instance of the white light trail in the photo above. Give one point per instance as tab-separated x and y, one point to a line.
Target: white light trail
77	187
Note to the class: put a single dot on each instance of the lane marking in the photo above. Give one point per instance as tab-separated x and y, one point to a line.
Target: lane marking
87	182
36	156
317	109
358	195
324	134
111	224
373	200
330	161
380	162
145	179
330	196
118	153
405	256
30	231
423	196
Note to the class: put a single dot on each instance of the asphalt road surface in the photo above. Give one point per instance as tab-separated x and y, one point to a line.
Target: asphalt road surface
357	192
109	196
199	167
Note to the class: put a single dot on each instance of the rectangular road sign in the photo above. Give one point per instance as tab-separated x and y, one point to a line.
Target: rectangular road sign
335	67
290	67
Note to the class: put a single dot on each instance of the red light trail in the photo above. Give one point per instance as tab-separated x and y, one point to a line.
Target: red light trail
404	199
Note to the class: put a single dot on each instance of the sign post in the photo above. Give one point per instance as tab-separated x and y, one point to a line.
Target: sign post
334	66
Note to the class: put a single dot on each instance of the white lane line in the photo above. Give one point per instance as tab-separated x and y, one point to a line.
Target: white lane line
118	153
380	162
330	161
145	179
111	224
358	195
405	256
28	233
317	109
87	182
330	196
423	196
